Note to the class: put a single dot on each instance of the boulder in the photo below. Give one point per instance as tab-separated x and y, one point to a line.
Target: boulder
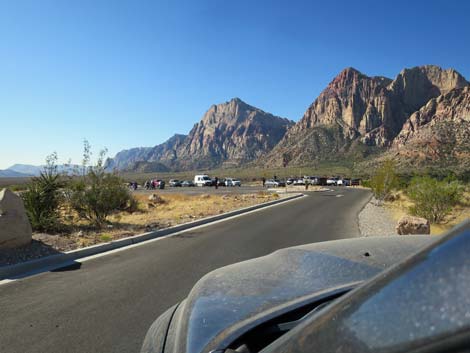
154	198
15	229
413	225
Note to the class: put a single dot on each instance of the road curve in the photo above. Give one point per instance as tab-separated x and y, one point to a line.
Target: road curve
108	303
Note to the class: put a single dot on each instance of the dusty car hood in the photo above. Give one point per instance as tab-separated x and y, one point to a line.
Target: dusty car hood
229	301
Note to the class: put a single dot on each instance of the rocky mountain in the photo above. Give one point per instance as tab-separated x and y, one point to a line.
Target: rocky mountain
229	134
438	134
357	115
158	156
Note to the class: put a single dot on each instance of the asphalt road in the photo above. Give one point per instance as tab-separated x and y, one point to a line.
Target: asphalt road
108	303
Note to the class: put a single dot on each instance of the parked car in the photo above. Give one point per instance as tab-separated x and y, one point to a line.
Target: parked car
355	182
221	182
187	183
174	183
274	183
315	180
332	181
339	296
290	181
232	182
299	182
202	180
343	182
159	184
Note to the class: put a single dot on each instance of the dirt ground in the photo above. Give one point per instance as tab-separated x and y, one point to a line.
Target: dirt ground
400	206
154	212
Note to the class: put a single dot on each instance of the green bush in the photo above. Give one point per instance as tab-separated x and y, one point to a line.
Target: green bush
434	199
98	194
384	180
43	196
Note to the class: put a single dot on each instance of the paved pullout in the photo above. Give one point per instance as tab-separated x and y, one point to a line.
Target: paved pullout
108	303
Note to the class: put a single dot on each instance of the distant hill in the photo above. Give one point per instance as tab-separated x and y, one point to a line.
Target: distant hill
28	169
229	134
35	170
159	156
6	173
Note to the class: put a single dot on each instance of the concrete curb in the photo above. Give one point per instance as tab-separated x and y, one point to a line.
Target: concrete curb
60	260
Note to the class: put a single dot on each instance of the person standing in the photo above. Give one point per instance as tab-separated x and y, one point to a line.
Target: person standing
216	183
264	181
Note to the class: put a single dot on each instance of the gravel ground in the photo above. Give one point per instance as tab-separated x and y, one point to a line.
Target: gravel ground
376	221
33	251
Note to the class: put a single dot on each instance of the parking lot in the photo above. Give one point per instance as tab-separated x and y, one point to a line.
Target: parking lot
197	190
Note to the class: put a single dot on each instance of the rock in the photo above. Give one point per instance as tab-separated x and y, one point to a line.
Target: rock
152	226
15	229
154	198
437	133
413	225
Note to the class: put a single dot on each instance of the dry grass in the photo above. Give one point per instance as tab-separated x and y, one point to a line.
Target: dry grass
400	206
181	208
169	210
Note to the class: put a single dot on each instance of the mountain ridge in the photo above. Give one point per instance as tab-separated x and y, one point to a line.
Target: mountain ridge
229	134
357	115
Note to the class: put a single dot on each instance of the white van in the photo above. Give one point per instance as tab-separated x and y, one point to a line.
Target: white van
202	180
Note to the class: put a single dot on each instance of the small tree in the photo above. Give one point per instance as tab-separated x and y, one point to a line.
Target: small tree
384	180
98	194
42	198
434	199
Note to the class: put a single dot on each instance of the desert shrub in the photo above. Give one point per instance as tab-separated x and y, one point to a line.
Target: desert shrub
434	199
384	180
98	194
43	196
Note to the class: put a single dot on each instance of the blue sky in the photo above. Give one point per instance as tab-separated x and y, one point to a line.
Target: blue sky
133	73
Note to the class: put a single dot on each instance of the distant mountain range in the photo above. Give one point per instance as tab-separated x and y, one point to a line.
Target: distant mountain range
6	173
229	134
420	118
28	170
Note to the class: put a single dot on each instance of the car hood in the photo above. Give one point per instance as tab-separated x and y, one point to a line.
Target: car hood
231	300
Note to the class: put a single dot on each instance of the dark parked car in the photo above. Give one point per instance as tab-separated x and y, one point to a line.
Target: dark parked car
187	183
175	183
355	182
385	294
